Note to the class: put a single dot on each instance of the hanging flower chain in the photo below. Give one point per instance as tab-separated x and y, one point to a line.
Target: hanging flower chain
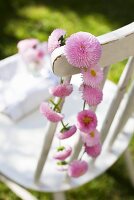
82	50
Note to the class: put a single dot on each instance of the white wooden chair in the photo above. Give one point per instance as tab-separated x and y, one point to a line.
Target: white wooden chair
26	146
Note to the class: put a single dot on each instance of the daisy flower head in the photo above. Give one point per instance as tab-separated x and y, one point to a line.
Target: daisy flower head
92	96
33	53
25	44
92	76
63	134
91	138
77	168
41	51
56	39
82	49
50	114
61	90
86	121
93	151
62	152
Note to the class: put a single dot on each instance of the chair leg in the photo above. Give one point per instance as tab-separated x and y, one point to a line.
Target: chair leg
18	190
59	196
130	165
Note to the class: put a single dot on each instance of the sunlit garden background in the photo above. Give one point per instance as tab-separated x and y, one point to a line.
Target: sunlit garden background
21	19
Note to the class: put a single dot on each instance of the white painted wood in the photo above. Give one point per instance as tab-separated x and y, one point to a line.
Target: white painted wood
125	112
21	143
121	89
45	150
105	73
20	147
116	46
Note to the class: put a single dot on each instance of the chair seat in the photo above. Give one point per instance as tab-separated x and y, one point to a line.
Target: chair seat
21	142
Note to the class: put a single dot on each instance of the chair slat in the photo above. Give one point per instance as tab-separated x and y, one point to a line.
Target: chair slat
123	82
105	73
127	110
45	150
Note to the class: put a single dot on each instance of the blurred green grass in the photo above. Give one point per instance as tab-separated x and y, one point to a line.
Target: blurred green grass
21	19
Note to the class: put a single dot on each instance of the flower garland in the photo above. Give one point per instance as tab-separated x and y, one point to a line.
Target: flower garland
82	50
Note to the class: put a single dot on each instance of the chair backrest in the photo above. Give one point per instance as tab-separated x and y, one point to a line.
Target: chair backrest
21	140
116	46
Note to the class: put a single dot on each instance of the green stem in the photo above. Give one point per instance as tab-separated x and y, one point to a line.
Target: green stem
82	155
56	105
64	126
52	102
61	80
59	102
84	104
57	108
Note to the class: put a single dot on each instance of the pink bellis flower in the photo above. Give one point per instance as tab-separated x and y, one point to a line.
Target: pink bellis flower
86	121
33	53
91	138
62	152
92	96
77	168
82	50
23	45
66	133
93	151
92	76
32	50
41	51
56	39
50	114
61	90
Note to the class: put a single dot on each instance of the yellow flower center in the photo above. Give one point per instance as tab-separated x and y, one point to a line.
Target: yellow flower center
87	120
93	72
92	134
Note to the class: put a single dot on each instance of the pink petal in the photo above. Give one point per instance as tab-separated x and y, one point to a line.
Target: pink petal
92	76
77	168
92	96
82	49
41	51
33	53
23	45
92	138
53	40
86	121
68	133
93	151
63	153
61	90
49	113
